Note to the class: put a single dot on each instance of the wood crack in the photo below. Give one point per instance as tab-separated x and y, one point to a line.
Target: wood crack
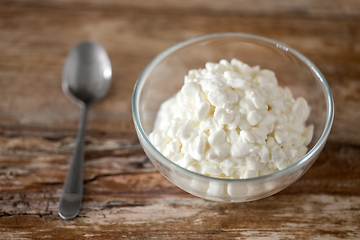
40	215
110	205
110	175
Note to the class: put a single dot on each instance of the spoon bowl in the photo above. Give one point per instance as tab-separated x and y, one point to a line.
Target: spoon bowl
86	80
87	73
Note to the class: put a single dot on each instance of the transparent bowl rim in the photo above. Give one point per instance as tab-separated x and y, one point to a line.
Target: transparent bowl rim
303	161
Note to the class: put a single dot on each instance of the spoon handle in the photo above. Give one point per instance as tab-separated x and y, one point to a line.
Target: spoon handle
71	196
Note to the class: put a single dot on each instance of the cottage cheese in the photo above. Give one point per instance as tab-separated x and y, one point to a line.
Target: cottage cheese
231	120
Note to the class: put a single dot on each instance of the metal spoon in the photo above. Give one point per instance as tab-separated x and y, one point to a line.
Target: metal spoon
86	79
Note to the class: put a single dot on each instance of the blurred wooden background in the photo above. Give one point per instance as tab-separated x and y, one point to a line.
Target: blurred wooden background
124	196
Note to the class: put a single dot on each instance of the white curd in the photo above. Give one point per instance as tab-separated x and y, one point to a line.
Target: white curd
231	120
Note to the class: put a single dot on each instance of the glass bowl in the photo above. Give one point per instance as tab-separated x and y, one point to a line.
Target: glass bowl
164	76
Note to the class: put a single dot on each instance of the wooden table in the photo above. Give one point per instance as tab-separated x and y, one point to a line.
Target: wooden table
124	196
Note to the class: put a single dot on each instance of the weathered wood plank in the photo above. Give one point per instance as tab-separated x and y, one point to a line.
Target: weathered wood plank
190	220
133	38
125	193
313	8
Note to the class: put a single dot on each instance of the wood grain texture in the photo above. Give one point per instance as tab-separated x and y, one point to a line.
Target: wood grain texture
124	196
